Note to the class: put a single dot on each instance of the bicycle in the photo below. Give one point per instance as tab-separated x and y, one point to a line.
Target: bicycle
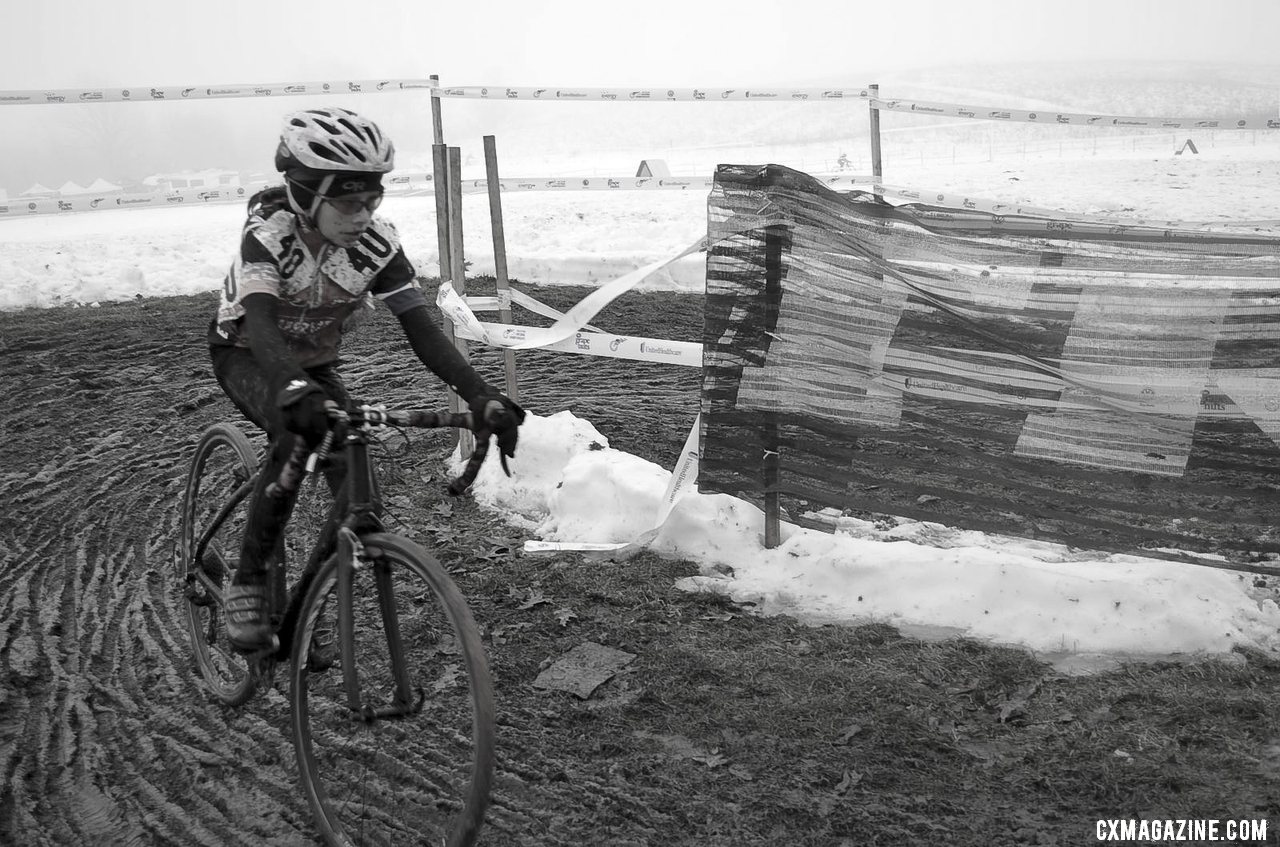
403	629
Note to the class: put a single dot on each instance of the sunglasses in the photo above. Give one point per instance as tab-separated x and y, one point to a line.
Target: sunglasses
352	206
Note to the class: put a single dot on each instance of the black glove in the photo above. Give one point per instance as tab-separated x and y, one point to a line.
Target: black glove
501	416
302	407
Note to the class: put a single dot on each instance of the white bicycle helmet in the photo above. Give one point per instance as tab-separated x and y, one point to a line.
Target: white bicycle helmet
333	139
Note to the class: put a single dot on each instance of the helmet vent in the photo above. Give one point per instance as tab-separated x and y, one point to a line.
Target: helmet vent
334	139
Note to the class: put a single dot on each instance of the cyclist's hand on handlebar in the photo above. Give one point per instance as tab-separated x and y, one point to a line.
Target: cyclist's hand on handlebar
303	407
501	416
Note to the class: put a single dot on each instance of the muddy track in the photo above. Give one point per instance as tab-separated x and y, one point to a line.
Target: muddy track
105	735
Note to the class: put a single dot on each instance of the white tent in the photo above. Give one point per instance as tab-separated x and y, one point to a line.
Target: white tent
37	190
71	188
101	186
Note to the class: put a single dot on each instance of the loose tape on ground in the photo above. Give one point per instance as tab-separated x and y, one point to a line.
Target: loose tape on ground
988	113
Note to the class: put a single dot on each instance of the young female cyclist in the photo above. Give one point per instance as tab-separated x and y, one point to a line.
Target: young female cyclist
312	252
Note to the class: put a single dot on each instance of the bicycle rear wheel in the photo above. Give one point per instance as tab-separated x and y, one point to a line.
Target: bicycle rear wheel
419	778
221	470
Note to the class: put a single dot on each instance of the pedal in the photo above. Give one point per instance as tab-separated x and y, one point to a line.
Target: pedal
195	593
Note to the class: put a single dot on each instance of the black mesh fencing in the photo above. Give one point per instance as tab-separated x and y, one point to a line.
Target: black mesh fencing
1113	387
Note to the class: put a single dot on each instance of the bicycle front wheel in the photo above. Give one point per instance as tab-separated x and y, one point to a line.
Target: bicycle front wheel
396	764
214	509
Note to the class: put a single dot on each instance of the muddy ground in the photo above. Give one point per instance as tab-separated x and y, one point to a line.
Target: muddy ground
727	729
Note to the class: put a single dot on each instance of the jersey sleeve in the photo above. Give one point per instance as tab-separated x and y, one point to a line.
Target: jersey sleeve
257	271
396	285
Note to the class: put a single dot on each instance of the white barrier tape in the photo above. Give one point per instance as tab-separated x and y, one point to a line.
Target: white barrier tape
519	298
146	93
587	308
482	304
661	351
478	303
467	325
100	202
658	94
685	473
401	185
571	547
988	113
595	183
455	310
625	183
964	202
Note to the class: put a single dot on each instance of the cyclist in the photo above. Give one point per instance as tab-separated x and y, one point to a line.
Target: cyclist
312	254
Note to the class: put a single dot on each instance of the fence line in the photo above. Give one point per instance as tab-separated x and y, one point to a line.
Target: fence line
402	185
638	94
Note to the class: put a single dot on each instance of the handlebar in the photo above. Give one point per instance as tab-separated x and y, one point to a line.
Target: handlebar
303	460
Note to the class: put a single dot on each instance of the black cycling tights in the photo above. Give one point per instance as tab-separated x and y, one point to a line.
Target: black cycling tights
247	386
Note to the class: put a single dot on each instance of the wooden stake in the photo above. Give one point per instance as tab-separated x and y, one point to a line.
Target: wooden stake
440	176
774	246
500	258
457	273
437	120
877	166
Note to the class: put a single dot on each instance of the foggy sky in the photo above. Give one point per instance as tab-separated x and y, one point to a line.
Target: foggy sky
137	43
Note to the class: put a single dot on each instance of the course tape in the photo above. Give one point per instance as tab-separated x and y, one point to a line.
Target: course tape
401	185
414	185
21	206
559	335
965	202
519	298
650	95
654	94
146	93
990	113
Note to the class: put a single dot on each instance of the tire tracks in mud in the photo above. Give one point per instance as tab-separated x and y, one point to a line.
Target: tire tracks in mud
106	737
109	739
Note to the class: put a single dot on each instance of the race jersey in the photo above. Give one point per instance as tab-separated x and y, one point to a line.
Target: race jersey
319	295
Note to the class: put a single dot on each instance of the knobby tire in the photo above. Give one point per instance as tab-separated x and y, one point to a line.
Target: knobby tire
224	459
423	778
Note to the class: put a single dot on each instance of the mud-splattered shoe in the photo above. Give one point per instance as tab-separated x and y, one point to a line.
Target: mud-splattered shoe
322	653
248	609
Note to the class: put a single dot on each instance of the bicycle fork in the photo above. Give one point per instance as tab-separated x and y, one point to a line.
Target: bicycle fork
352	558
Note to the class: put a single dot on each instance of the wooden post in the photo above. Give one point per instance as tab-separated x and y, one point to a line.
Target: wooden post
772	475
774	246
437	121
500	258
457	273
440	175
877	166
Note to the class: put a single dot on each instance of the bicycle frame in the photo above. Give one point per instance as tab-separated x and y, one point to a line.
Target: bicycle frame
363	514
357	510
356	579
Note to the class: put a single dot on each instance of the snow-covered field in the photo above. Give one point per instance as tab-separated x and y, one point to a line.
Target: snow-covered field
1048	598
